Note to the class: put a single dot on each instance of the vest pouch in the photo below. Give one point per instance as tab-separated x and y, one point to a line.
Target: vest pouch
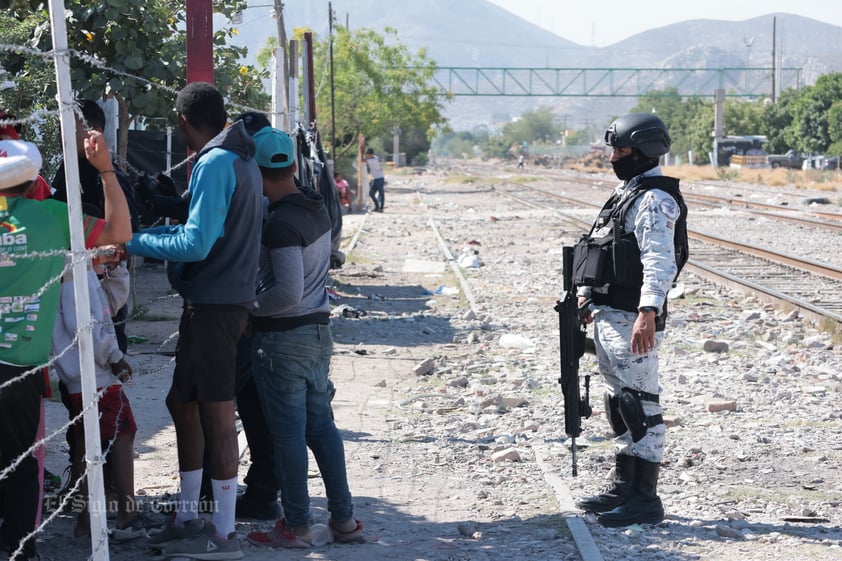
628	270
592	262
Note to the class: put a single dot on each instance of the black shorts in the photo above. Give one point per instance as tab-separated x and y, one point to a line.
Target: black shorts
206	353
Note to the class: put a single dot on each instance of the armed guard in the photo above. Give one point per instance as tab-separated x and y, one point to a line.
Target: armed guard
623	270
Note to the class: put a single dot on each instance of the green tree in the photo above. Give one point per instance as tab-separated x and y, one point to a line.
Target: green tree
452	144
378	86
678	114
834	119
30	77
133	51
537	125
810	126
776	122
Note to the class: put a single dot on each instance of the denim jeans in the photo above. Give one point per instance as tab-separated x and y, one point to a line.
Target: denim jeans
377	192
291	371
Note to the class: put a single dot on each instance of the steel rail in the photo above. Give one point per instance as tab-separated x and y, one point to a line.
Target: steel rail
718	275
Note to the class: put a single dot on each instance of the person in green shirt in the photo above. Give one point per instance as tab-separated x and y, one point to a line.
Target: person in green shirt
34	239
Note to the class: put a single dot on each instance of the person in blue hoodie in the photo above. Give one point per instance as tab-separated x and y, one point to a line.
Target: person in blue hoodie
292	347
212	263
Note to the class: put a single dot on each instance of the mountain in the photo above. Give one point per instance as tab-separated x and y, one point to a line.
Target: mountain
477	33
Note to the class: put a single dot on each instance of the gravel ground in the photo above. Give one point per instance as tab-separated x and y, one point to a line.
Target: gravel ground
452	415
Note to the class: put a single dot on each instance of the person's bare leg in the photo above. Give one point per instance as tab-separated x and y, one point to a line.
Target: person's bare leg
122	458
218	423
190	441
77	469
190	438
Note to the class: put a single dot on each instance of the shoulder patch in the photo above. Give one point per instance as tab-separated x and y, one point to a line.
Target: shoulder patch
669	207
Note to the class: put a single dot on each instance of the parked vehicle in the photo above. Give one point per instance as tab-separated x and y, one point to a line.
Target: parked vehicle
831	163
791	160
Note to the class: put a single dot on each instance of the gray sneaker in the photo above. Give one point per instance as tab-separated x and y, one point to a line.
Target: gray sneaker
171	532
206	545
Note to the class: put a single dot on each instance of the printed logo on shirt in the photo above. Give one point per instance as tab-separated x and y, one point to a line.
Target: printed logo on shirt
8	238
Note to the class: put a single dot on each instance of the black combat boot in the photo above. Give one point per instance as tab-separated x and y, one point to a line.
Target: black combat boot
644	507
621	488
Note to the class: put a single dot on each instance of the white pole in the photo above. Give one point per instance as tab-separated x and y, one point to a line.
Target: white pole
280	119
81	260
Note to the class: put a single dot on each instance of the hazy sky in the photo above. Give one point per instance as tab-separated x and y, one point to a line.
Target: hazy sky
603	22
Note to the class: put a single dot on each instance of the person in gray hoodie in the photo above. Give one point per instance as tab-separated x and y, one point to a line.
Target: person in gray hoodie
117	426
213	265
292	347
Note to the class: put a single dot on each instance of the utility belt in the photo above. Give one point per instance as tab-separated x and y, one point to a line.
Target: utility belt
627	299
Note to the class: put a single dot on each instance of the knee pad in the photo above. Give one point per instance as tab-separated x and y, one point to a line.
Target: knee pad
631	410
612	413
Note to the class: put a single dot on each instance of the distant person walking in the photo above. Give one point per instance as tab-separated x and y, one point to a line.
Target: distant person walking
520	162
378	182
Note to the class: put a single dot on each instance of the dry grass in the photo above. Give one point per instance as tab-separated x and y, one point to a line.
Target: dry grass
800	179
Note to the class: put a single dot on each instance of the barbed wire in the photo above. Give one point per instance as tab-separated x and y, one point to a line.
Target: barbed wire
40	116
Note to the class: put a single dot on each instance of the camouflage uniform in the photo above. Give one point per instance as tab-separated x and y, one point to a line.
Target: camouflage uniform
652	218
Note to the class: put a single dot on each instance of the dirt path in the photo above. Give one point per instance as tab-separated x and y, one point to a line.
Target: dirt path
450	409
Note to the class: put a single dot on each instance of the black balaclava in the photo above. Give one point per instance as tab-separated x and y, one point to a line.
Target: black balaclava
632	165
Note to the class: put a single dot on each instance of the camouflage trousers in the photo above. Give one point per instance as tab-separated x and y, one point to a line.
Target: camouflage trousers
622	369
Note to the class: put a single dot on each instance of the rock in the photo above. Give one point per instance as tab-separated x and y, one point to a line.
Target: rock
718	405
507	455
425	367
513	341
715	346
728	532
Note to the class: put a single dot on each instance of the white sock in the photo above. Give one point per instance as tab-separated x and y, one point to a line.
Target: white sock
188	499
225	496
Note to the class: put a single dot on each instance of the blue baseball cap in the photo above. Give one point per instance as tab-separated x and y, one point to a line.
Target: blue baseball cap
275	148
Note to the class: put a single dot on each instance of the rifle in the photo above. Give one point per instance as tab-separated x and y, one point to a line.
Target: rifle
572	343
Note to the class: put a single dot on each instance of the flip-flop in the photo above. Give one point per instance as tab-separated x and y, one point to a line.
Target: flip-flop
354	536
278	537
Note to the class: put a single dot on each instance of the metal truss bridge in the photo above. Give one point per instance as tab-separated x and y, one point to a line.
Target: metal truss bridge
612	82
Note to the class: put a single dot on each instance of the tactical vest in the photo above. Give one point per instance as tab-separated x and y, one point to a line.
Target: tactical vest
614	259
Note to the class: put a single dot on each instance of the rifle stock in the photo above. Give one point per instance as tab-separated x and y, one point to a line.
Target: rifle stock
571	348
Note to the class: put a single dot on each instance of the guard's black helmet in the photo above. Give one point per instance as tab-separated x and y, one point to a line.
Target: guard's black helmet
644	131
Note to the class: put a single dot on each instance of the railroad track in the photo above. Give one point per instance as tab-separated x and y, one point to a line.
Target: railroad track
812	287
584	541
455	224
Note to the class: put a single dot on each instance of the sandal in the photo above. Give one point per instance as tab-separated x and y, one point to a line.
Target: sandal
278	537
135	529
127	534
354	536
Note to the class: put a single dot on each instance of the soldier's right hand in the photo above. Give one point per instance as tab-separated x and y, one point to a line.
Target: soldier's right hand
584	310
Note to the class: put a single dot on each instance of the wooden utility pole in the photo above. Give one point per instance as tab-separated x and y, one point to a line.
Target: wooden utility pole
310	82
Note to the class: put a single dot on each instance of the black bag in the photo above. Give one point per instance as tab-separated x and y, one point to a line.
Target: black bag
592	261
